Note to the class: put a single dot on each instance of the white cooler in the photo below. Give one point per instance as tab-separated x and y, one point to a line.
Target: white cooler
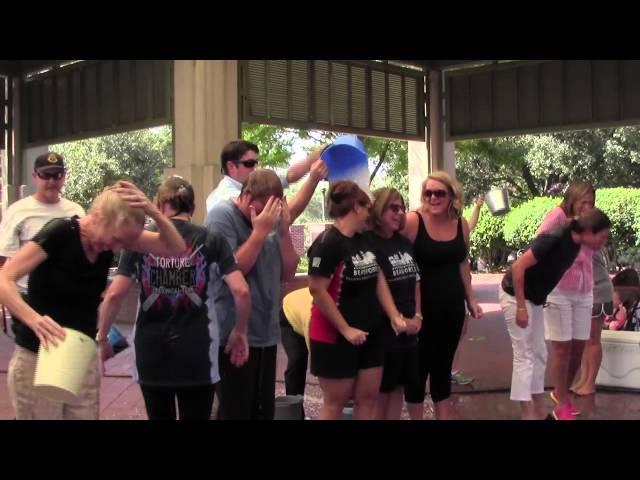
620	360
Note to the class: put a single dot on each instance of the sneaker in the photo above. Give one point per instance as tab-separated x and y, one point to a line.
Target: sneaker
574	411
563	413
460	378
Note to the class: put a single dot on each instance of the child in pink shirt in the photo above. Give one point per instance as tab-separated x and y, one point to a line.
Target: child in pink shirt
618	320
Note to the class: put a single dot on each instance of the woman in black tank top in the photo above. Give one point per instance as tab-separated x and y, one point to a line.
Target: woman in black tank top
441	242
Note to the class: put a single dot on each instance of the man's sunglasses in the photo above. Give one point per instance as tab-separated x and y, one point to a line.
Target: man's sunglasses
435	193
396	208
248	163
50	175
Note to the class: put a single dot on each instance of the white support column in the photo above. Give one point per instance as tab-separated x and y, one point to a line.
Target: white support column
449	158
442	153
29	156
418	171
17	160
436	137
205	119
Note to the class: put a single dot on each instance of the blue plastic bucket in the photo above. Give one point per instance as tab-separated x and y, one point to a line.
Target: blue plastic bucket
346	159
117	340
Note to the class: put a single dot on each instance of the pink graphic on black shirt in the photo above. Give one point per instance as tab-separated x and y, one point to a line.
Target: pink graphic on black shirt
174	282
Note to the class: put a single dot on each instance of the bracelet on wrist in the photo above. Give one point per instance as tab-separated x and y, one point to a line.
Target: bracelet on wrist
419	315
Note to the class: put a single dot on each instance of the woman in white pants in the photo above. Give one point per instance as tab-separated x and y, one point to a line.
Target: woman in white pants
523	293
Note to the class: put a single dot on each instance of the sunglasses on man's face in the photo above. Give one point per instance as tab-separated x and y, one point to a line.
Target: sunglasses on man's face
249	163
50	175
396	208
435	193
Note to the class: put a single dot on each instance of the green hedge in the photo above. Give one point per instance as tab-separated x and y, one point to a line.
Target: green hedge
517	229
622	205
522	222
488	235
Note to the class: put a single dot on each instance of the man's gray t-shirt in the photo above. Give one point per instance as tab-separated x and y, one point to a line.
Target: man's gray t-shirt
602	286
263	279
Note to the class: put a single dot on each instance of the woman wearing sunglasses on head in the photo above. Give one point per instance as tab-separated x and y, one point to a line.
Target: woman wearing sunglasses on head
401	371
440	238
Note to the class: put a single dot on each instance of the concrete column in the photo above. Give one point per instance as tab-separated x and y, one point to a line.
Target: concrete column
29	156
442	154
14	176
205	119
4	197
418	171
436	136
449	158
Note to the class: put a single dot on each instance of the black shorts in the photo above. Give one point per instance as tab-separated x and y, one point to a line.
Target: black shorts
402	369
344	360
601	309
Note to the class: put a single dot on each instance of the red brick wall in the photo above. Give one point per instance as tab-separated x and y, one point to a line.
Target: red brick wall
297	236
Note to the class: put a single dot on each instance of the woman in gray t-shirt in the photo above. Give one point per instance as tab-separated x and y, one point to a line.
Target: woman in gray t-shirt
602	306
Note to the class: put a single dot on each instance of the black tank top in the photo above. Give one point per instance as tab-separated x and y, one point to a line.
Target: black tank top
439	262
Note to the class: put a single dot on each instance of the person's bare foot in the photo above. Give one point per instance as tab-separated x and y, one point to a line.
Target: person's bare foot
583	391
577	386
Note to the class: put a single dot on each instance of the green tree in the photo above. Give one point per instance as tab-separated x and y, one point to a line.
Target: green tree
314	210
529	165
388	159
496	162
139	156
571	156
275	143
493	236
622	206
487	238
521	223
392	158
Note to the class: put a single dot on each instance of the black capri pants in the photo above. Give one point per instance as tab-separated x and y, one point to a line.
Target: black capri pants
439	337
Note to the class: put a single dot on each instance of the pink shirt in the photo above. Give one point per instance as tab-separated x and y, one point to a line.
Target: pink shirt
579	277
618	321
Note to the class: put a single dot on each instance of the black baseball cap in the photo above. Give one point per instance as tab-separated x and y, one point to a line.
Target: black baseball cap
49	162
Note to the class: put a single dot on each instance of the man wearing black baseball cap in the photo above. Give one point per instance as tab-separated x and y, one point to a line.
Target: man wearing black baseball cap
21	221
49	162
